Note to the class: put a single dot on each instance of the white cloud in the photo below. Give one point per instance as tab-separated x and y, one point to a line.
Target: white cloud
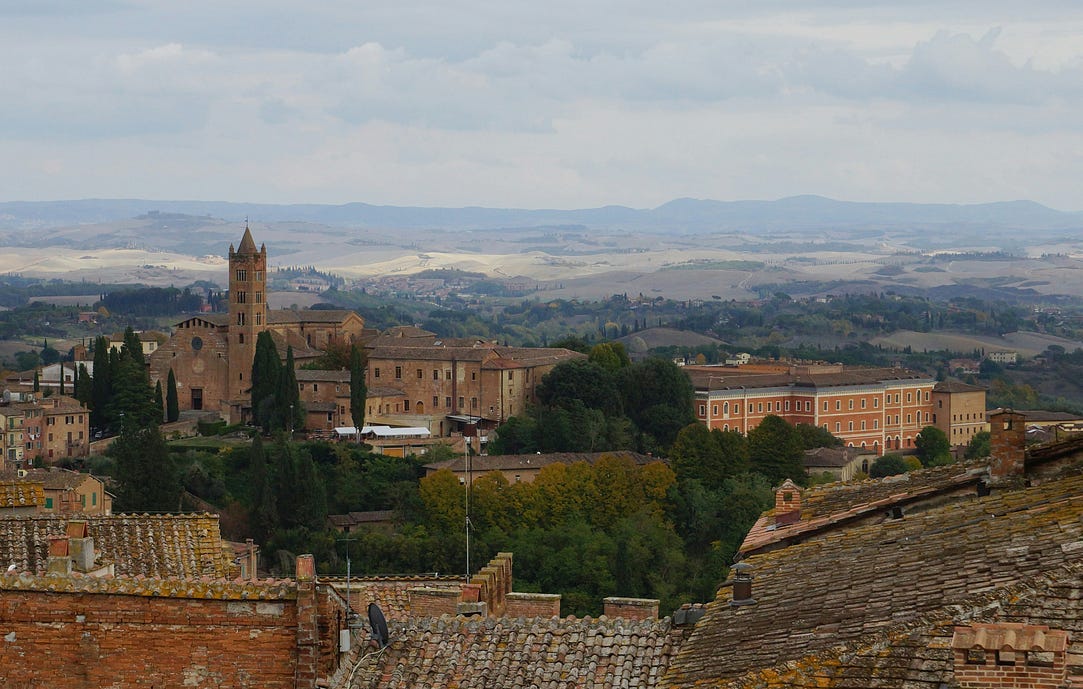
542	104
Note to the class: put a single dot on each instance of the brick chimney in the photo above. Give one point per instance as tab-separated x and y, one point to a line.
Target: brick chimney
1008	435
787	503
631	608
1009	655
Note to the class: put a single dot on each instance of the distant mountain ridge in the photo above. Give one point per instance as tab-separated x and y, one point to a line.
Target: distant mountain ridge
679	216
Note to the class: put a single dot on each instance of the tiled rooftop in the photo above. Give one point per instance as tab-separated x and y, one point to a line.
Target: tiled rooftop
188	545
475	653
21	493
837	503
53	478
883	587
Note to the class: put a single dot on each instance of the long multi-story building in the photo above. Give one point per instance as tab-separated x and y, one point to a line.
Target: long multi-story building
879	409
447	383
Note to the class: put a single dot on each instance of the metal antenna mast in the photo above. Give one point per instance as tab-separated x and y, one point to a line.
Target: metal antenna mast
469	483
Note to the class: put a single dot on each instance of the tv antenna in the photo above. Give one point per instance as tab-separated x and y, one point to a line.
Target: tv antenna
469	485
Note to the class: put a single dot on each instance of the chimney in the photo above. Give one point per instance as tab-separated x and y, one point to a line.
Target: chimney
1009	654
58	561
787	503
631	608
80	545
742	585
1008	431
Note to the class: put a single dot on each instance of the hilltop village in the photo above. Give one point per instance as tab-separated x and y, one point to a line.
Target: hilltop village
962	567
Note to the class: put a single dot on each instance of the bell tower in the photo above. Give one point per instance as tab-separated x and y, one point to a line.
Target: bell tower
247	310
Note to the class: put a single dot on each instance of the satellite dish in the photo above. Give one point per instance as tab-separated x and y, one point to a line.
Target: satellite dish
378	624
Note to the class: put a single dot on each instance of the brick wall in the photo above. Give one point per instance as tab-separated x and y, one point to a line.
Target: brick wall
76	639
433	602
77	631
532	605
631	608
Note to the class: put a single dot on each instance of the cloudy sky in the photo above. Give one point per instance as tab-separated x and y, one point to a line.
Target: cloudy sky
541	104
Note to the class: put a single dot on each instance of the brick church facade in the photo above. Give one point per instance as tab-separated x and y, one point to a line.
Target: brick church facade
211	354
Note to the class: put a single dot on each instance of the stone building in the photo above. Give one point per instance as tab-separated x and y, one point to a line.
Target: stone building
447	384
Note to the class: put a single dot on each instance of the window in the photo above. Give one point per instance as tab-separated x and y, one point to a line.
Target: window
259	276
376	372
242	275
769	407
838	427
447	374
703	410
875	424
473	402
808	405
787	405
315	387
909	398
241	297
851	426
714	410
447	402
462	401
909	418
825	405
259	297
473	375
435	401
48	503
511	375
398	371
875	402
862	402
240	318
435	374
240	339
259	318
725	407
838	405
737	408
850	404
759	407
862	428
940	404
420	375
93	499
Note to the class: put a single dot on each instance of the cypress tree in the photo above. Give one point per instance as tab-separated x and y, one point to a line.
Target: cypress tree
290	410
102	386
358	390
264	514
266	369
85	388
37	381
158	402
172	404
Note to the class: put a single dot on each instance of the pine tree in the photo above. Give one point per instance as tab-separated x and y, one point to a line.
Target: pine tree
145	471
358	390
172	404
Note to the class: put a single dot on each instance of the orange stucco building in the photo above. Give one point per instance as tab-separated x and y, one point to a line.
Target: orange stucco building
879	409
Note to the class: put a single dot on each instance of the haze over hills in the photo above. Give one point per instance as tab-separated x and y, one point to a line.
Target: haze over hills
686	248
677	216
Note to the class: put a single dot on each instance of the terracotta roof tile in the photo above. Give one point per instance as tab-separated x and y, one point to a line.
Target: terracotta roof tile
894	577
188	545
473	653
